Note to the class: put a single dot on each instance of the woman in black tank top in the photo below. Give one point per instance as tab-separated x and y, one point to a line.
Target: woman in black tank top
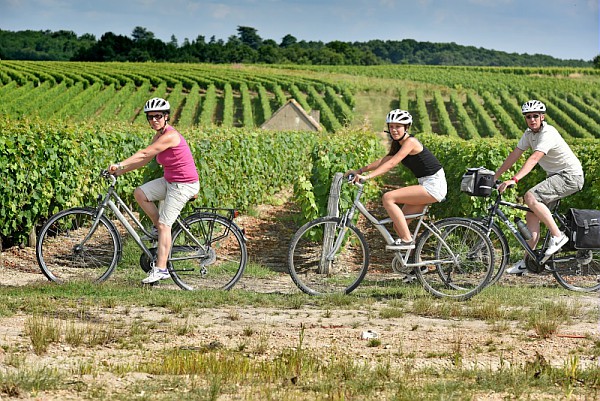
424	165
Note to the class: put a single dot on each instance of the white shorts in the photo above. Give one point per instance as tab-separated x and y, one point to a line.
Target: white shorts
174	194
435	185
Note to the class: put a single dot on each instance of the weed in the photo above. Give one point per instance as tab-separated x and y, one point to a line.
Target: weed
75	334
42	331
543	325
184	329
233	315
263	343
15	383
15	359
391	313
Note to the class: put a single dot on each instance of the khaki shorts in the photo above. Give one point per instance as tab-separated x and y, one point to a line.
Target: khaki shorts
175	195
435	185
556	187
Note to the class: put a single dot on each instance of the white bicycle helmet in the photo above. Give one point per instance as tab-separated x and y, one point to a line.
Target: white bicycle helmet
533	106
157	104
399	116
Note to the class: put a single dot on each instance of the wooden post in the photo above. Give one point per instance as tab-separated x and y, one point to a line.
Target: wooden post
329	232
32	238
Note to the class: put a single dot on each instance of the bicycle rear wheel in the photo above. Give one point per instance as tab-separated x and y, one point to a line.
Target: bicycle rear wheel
68	251
308	250
499	244
577	270
209	252
459	260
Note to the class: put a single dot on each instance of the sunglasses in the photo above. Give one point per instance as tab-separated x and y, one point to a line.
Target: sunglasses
532	116
156	117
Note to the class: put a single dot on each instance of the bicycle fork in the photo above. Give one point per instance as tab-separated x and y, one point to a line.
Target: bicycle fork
340	237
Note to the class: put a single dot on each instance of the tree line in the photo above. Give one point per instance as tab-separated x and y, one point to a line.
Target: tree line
248	47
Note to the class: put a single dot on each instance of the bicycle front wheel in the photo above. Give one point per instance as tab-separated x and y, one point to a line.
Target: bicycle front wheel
577	270
68	250
308	263
207	252
501	248
455	258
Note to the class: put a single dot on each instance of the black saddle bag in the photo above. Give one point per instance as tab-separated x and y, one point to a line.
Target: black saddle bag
585	228
477	182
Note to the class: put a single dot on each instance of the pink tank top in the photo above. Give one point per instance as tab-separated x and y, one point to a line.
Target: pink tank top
178	163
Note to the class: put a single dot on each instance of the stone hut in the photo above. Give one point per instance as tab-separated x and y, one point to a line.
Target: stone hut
292	117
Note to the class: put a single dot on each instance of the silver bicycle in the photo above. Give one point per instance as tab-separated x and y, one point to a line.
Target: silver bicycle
83	244
452	258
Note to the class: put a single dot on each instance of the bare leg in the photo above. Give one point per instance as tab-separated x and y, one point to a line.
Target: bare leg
164	245
148	207
542	213
164	231
413	198
533	224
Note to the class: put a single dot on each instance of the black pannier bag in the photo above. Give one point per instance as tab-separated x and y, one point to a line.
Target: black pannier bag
477	181
585	228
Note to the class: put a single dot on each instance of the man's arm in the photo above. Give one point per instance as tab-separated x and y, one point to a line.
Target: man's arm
508	163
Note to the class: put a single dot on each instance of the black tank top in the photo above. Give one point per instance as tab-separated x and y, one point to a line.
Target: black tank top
423	163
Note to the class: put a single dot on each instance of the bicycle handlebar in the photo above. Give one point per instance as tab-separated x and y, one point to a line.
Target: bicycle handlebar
351	180
108	176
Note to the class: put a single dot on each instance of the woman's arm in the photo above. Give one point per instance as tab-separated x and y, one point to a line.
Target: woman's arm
369	167
142	157
389	162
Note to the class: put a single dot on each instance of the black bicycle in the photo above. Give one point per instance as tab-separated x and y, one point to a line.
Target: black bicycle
574	269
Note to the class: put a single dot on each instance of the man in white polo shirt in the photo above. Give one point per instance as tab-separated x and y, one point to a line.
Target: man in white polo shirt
563	170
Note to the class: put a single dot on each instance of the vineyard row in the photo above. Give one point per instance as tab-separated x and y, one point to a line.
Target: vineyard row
247	97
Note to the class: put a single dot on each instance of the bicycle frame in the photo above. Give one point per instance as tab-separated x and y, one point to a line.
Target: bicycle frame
380	225
494	210
107	201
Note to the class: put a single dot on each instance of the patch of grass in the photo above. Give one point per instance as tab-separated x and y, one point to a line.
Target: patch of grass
184	329
42	331
18	383
391	313
544	326
256	270
248	331
233	314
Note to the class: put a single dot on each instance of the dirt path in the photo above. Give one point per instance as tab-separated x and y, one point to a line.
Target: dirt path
406	339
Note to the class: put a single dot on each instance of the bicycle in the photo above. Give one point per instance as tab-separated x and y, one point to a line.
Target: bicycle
82	244
573	269
331	255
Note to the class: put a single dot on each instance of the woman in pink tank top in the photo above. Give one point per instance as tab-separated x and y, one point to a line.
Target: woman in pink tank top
175	188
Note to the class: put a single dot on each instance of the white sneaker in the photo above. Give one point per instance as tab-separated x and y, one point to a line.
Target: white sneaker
409	279
518	268
156	275
399	244
556	243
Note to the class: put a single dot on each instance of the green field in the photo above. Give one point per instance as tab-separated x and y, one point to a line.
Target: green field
65	121
523	338
468	102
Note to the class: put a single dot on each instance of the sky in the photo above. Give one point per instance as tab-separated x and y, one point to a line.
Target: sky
565	29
